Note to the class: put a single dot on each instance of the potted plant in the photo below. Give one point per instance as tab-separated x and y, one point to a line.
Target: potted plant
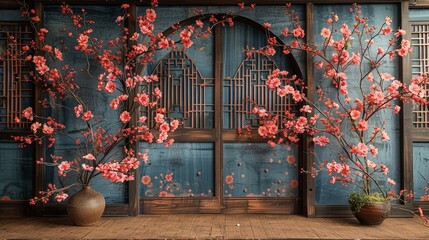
347	111
115	66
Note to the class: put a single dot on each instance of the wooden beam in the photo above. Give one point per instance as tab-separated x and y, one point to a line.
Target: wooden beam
308	148
10	4
133	186
112	209
218	114
218	2
406	115
418	3
39	150
15	208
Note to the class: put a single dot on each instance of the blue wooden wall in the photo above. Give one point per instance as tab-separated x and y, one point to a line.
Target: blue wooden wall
187	170
389	152
98	101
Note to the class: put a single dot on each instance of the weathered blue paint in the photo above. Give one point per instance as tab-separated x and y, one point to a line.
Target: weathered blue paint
16	171
421	169
98	101
417	14
389	152
9	15
258	169
191	166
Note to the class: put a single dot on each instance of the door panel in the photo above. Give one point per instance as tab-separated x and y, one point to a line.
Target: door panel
258	170
181	170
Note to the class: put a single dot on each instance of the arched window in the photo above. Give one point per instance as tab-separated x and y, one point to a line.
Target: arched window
210	166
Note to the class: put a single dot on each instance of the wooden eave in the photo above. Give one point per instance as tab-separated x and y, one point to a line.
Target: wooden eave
13	3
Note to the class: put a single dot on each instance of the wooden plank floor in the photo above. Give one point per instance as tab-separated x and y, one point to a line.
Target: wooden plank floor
211	226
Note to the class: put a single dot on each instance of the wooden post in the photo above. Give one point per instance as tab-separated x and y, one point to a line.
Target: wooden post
39	151
133	186
218	113
309	208
407	111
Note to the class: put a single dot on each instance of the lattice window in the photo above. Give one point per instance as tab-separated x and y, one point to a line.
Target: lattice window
187	96
16	89
420	64
249	83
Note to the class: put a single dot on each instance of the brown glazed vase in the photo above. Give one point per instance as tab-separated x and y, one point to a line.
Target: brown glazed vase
86	207
373	213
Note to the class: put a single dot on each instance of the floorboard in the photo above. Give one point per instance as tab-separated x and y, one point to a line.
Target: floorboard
212	226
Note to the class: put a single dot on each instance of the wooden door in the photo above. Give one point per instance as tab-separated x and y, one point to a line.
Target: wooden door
210	167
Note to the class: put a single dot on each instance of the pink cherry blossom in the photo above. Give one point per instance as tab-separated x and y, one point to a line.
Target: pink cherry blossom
125	117
87	167
321	140
146	180
164	127
388	20
355	114
361	149
373	150
229	179
110	87
299	32
169	177
28	113
35	126
391	181
325	32
362	125
87	116
160	118
143	99
267	25
89	157
174	125
163	43
61	196
47	129
63	168
150	15
78	110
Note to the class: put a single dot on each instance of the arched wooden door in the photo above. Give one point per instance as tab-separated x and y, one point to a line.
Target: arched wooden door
211	168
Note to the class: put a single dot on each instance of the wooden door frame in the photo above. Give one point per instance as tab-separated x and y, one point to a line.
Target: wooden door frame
218	203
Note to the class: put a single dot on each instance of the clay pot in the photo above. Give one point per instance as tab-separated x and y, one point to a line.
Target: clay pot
86	207
373	214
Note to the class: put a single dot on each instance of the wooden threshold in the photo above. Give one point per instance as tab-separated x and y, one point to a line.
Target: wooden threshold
261	205
179	205
113	209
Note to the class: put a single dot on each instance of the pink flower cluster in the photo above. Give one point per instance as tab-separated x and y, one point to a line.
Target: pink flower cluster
119	171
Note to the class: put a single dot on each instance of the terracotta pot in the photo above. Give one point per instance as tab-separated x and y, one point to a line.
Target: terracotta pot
373	214
86	207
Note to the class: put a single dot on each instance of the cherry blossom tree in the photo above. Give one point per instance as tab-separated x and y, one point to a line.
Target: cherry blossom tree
340	115
121	60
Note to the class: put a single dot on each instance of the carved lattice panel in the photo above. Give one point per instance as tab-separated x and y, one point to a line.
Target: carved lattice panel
16	89
186	95
249	83
420	64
